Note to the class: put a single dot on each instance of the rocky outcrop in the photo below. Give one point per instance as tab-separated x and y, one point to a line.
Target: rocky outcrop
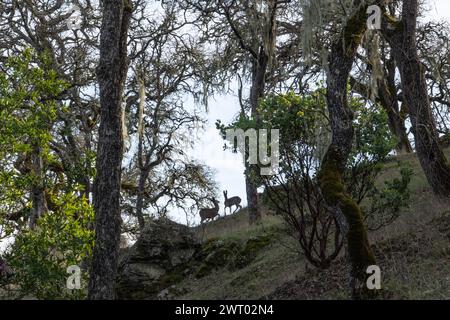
160	258
167	253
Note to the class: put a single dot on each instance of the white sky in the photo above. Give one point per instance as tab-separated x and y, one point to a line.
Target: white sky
439	9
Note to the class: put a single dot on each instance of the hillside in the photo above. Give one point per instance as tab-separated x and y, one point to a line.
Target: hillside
413	253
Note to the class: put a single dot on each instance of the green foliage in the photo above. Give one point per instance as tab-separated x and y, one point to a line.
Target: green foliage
299	118
303	125
305	135
40	257
243	123
295	116
301	121
373	144
373	139
28	108
386	202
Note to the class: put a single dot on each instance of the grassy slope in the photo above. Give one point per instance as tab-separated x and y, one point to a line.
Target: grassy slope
413	253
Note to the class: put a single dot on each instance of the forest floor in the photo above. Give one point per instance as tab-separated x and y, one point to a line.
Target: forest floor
413	254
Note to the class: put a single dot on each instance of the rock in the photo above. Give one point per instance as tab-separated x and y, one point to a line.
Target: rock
167	253
170	293
164	295
230	254
158	259
5	270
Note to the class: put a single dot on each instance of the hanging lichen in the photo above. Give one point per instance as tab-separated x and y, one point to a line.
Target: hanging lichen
374	57
320	16
312	21
270	31
142	98
123	120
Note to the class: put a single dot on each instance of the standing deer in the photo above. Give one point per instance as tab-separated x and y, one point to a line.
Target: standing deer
210	213
233	201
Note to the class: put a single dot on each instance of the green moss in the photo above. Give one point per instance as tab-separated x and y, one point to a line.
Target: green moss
393	22
249	251
354	30
215	254
330	182
175	276
255	244
128	5
230	253
359	250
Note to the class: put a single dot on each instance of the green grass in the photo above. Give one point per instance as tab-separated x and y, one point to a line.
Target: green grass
236	226
413	252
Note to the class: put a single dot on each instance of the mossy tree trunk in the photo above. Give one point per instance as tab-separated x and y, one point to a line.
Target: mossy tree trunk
111	74
330	180
401	36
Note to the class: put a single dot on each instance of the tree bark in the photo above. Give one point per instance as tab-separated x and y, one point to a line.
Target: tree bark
262	61
256	93
111	74
38	190
140	198
337	199
143	173
388	96
401	36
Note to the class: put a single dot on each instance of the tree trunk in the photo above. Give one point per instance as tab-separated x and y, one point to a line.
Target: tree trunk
144	172
140	198
251	173
339	202
402	39
254	214
389	100
111	74
38	190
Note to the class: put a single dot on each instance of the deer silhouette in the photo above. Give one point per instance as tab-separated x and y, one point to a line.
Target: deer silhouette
233	201
210	213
